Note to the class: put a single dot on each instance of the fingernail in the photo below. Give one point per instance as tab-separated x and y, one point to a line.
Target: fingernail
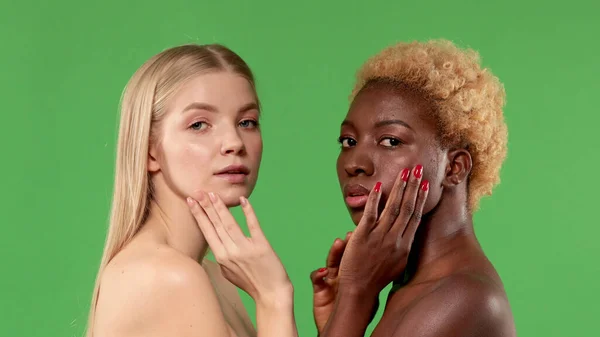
377	187
212	197
418	171
190	201
243	201
322	270
405	173
425	185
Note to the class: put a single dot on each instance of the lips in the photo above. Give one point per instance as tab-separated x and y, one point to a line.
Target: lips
356	195
234	169
234	174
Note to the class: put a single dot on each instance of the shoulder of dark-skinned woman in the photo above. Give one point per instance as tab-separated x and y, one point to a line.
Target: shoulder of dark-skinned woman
458	297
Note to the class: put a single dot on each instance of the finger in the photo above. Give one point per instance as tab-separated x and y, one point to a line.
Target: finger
317	279
335	257
392	206
230	225
214	217
409	234
348	235
206	227
251	219
369	218
409	199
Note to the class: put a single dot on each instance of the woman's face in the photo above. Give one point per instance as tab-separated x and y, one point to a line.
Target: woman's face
386	130
210	140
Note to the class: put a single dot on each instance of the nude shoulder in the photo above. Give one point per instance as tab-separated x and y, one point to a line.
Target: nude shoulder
463	304
478	291
159	291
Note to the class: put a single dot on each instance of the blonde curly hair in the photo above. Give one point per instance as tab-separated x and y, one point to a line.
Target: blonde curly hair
468	101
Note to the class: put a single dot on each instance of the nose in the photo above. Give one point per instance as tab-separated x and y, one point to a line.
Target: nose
232	143
359	162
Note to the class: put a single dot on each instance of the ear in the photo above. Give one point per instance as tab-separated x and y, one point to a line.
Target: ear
458	168
153	165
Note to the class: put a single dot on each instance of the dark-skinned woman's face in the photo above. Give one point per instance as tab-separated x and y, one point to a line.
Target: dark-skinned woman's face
387	129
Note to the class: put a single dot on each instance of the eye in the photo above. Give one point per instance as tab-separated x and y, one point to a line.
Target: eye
390	142
347	141
198	126
249	123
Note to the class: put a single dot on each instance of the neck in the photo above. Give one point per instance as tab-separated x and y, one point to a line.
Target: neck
448	227
171	220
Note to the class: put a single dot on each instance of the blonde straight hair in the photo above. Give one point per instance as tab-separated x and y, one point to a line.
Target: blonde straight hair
143	106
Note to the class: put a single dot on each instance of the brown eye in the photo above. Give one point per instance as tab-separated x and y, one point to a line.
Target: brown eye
347	142
390	142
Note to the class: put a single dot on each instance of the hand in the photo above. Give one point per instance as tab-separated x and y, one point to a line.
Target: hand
378	251
248	262
325	283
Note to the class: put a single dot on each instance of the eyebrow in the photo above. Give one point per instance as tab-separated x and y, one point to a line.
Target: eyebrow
212	108
392	122
382	123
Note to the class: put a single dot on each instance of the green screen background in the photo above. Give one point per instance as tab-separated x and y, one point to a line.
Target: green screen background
63	65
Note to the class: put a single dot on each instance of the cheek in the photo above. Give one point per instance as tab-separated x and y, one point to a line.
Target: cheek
254	146
186	166
434	172
194	159
390	167
339	168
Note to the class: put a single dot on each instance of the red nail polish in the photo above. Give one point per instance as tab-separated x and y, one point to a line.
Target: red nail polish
322	270
425	185
378	187
418	171
405	173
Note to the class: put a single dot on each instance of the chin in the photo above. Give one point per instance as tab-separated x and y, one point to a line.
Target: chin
356	216
231	196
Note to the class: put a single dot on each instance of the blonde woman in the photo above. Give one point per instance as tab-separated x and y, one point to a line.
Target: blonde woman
189	124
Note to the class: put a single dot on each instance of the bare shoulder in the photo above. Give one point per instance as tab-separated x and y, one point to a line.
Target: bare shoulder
156	293
462	304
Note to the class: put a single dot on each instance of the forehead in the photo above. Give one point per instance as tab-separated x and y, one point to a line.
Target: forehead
222	89
378	102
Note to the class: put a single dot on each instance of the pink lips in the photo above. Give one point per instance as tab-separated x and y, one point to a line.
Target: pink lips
358	201
235	174
356	195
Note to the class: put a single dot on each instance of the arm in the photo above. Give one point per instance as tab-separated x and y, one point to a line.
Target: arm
275	316
352	313
377	253
325	286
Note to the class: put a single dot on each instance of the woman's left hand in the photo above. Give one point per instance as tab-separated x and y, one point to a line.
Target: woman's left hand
248	262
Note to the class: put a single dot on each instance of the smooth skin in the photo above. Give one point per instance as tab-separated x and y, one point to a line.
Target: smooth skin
415	231
248	262
448	287
159	284
251	264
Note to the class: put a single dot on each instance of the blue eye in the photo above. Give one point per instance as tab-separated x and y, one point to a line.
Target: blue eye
390	142
347	142
249	123
198	126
